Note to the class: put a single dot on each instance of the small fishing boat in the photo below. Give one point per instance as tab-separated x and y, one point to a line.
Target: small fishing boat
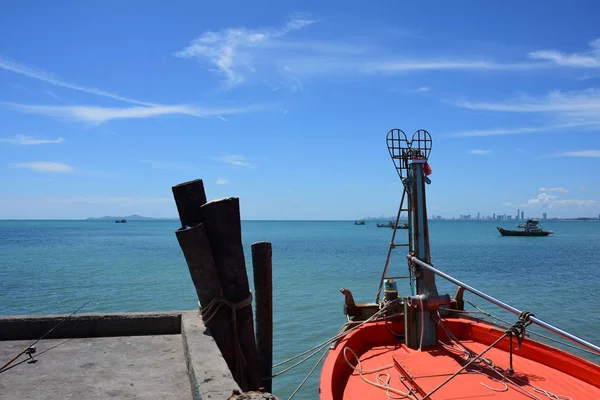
427	345
531	228
121	221
389	224
359	222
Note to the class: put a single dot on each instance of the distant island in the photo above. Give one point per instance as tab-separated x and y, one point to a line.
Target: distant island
133	217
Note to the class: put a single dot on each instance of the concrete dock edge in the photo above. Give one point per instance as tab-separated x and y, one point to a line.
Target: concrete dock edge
209	375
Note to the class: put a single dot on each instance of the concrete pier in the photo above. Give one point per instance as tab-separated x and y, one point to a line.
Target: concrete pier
126	356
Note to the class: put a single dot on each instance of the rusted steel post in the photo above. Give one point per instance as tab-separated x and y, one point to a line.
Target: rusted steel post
189	196
198	255
262	266
222	221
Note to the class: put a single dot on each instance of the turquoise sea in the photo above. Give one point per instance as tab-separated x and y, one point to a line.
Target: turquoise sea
55	266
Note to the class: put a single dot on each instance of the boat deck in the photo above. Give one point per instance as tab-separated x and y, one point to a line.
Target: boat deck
540	372
428	369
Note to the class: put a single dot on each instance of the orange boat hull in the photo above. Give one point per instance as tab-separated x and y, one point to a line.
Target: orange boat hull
540	371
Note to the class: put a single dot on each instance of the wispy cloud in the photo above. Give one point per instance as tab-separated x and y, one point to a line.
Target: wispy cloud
480	152
588	59
124	200
420	89
98	115
517	131
581	153
567	110
24	140
556	190
396	66
283	55
43	166
222	181
47	77
232	51
167	165
234	159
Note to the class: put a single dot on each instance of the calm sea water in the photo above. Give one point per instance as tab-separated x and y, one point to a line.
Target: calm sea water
55	266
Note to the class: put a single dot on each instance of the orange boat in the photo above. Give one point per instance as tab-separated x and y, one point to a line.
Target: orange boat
427	346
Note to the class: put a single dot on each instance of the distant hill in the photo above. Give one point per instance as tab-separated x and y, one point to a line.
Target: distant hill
133	217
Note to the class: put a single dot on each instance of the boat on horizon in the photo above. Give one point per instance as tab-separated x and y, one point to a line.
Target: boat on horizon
121	221
389	224
426	345
360	222
531	227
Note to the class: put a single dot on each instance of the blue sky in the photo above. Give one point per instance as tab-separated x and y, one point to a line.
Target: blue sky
106	105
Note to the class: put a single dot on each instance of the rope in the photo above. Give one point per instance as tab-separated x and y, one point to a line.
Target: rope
320	346
524	317
308	376
385	385
209	312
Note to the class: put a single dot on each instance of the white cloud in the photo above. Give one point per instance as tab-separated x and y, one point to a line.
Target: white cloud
53	80
582	153
43	166
479	152
556	190
589	59
234	159
24	140
232	51
222	181
542	200
99	115
546	200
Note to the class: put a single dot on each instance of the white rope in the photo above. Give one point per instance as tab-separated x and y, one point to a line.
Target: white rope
386	384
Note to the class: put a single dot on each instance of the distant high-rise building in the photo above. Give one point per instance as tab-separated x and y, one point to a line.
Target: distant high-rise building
522	214
494	217
478	215
518	211
544	215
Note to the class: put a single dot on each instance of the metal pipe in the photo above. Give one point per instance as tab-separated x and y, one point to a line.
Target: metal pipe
505	306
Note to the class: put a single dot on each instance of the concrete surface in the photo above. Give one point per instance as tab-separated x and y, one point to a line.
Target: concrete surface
122	356
209	375
136	367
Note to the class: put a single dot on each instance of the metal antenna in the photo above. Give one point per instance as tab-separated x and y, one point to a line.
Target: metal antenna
401	152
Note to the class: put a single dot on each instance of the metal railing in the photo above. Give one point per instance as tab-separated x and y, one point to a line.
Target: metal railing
506	306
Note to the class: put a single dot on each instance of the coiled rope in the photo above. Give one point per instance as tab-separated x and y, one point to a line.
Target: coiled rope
209	312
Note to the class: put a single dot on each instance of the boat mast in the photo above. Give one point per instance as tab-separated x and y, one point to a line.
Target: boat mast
420	328
410	160
422	280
